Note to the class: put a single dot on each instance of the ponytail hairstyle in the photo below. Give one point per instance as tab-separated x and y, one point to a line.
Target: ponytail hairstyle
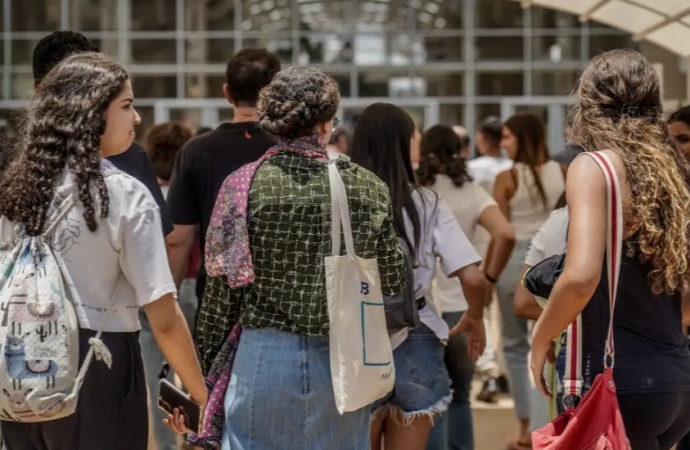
618	107
440	150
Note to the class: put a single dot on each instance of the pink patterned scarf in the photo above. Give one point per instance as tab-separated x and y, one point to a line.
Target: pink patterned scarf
228	254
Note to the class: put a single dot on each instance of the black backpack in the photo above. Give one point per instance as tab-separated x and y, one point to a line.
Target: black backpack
402	310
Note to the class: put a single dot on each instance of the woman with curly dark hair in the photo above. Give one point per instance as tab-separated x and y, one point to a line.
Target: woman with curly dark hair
109	247
265	253
618	110
444	170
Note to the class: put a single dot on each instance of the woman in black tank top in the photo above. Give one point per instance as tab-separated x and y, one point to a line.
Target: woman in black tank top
618	109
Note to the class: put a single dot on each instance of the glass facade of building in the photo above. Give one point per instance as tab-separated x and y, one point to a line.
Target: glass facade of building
450	61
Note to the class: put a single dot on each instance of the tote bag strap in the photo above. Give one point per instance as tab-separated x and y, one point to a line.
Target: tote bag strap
572	380
340	212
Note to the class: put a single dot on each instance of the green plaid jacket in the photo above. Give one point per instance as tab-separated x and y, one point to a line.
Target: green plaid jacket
290	235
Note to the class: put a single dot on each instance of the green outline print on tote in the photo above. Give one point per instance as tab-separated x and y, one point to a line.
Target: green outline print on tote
364	291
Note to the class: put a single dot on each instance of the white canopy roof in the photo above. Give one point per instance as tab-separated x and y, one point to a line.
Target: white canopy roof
663	22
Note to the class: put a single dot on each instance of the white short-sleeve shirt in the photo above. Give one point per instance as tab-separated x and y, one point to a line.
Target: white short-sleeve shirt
467	203
551	239
442	240
125	256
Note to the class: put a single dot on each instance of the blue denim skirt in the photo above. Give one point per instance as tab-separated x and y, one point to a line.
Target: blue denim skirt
422	385
281	396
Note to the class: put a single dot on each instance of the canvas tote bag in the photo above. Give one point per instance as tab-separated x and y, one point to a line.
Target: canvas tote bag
361	357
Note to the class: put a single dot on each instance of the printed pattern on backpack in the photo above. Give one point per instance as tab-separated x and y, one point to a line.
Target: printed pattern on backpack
39	331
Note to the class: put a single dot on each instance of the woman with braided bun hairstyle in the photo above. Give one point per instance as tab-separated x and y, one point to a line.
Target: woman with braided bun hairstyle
265	251
109	247
618	110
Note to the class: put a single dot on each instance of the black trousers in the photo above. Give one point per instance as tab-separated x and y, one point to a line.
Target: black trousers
112	411
655	421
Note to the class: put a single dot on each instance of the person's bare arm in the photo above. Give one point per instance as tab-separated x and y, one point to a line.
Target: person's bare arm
502	240
175	341
586	196
525	305
179	244
474	286
504	189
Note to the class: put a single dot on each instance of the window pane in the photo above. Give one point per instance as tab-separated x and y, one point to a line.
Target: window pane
375	49
87	15
376	83
443	84
380	16
107	46
452	115
484	111
22	85
498	14
282	47
266	16
500	83
442	48
551	82
200	51
156	15
205	86
154	51
154	86
35	15
551	18
191	116
343	84
215	16
332	16
503	48
600	44
22	51
556	48
446	15
325	48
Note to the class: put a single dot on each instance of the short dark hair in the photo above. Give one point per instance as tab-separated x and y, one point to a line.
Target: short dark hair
55	47
249	71
162	142
492	129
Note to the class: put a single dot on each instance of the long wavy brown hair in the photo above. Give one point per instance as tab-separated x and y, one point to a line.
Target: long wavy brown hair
618	107
62	129
532	149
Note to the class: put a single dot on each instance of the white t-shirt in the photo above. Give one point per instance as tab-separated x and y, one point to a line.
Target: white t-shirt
484	170
442	239
127	252
466	203
550	240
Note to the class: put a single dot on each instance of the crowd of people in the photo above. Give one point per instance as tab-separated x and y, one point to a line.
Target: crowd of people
166	247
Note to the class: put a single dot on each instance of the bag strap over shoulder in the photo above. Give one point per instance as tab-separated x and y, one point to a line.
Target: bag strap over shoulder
572	380
340	211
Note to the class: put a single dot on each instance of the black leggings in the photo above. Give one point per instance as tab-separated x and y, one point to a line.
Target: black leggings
655	421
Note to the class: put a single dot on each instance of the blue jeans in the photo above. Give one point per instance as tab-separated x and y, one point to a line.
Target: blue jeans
422	385
281	397
153	362
453	430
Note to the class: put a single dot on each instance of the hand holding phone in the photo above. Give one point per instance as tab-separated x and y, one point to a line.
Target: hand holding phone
178	404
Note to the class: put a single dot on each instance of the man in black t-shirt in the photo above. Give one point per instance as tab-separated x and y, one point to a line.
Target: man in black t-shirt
49	52
204	162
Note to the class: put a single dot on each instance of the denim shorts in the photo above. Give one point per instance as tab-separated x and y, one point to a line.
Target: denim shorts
422	385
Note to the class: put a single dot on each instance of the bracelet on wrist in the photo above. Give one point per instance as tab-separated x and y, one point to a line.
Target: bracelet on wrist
490	279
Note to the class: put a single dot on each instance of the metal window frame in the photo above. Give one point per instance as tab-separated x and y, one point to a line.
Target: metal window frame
467	64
